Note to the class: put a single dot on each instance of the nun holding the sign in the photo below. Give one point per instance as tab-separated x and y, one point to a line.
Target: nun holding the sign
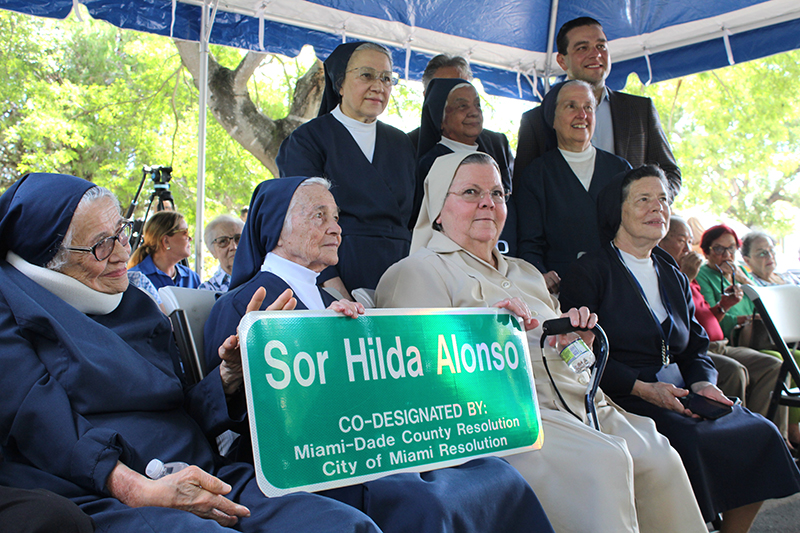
92	389
290	236
625	477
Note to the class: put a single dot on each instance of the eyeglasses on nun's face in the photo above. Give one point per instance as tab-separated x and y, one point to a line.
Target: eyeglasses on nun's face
474	195
103	249
369	75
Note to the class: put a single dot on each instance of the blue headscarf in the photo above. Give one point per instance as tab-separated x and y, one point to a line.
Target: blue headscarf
430	130
335	68
35	213
263	227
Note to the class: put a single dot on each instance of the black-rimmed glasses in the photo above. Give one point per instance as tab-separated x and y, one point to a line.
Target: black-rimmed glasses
224	241
103	249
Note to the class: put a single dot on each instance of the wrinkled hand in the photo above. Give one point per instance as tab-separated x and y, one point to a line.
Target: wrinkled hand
553	281
347	308
191	490
230	370
710	391
519	308
662	394
729	298
578	318
690	264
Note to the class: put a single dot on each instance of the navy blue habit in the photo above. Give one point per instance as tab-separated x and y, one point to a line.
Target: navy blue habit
479	496
82	392
429	148
733	461
556	215
375	199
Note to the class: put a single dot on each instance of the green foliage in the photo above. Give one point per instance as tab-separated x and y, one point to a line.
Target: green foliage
736	135
88	99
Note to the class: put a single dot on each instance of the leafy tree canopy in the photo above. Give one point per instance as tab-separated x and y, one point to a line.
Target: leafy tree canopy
735	132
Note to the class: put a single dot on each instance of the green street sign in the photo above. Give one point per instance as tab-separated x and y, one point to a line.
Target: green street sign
336	401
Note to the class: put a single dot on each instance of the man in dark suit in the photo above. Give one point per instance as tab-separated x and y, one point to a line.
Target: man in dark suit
626	125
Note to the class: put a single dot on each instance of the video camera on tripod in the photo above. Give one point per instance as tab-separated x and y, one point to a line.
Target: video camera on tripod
161	176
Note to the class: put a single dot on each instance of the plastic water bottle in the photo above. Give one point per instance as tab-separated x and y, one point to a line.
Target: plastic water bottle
574	352
156	469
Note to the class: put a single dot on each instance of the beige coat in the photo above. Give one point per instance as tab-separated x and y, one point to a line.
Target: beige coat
625	478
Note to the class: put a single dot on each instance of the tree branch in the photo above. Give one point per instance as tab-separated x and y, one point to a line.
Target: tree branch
230	103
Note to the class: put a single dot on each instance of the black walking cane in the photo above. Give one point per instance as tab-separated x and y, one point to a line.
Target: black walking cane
560	326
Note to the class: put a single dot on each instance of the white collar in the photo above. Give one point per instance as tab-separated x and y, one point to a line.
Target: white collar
457	146
80	296
352	123
302	280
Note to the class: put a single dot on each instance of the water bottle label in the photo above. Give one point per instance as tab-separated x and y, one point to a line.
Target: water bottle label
577	355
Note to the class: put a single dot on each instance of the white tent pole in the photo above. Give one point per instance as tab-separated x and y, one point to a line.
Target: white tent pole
551	37
201	142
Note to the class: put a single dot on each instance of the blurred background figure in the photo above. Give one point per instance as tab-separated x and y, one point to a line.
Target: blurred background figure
743	372
166	242
222	238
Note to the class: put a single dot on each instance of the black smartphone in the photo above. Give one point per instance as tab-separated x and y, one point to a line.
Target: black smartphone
705	407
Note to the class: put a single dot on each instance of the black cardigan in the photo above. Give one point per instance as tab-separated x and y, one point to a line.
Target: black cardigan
599	281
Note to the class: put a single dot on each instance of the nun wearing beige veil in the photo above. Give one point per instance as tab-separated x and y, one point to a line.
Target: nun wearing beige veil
625	477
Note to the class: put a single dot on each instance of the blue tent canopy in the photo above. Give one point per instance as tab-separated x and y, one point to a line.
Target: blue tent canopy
507	41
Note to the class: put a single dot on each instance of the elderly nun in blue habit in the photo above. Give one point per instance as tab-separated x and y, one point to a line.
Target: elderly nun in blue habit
371	164
480	496
90	388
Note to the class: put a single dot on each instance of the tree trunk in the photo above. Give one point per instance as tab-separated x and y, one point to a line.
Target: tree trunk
230	103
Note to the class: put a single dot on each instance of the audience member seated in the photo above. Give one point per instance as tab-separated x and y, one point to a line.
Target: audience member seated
94	394
137	279
290	236
371	164
719	244
452	121
758	251
222	238
555	195
40	511
625	478
166	242
743	372
658	355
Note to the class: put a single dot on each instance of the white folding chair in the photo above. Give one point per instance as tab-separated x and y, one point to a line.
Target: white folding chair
188	310
779	307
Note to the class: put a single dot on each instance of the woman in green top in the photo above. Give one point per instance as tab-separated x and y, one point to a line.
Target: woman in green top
719	244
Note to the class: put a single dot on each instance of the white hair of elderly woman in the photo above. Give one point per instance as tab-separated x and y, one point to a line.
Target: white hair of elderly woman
210	233
287	221
92	195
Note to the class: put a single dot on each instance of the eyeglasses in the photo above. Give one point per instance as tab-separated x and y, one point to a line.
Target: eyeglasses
721	250
763	254
370	75
184	231
474	196
103	249
224	241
